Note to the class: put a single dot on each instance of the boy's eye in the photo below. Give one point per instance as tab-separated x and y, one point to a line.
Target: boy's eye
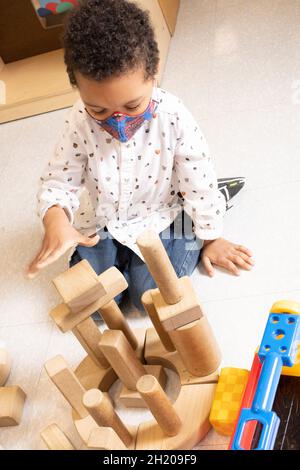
135	107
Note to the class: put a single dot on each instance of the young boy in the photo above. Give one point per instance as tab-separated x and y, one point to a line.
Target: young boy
139	153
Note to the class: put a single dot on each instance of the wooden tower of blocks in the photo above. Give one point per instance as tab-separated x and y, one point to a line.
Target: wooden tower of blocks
181	339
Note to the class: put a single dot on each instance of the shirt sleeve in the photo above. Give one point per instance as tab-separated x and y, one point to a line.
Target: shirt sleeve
63	176
197	180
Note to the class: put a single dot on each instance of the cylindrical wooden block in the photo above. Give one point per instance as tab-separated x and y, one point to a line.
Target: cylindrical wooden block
121	357
151	310
197	347
101	409
159	405
115	320
89	335
160	266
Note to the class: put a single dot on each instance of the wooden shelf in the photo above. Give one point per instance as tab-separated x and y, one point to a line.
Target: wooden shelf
36	85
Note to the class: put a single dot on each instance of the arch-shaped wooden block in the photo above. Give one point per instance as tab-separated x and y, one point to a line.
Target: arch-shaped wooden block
193	406
5	366
12	401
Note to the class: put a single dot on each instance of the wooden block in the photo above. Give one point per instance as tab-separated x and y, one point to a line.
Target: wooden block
5	366
197	347
89	335
115	320
99	406
55	439
149	306
12	401
160	266
155	353
84	426
132	398
105	439
159	405
67	383
86	298
192	406
75	282
91	375
122	358
183	312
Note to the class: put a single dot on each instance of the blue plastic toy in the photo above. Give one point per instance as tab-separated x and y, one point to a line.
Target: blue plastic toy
278	348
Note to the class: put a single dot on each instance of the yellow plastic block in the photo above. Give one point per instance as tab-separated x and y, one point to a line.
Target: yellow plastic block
286	306
227	400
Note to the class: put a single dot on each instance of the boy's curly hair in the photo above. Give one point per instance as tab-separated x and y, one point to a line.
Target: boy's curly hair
107	38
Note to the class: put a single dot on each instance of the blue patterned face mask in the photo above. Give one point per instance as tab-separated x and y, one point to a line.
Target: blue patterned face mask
122	126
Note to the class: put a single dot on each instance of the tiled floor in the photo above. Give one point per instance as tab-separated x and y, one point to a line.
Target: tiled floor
236	65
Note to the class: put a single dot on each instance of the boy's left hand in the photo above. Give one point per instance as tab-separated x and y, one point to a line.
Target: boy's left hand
227	255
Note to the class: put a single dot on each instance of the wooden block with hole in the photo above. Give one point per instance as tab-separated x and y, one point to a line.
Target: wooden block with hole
185	311
132	398
55	438
12	401
84	293
5	366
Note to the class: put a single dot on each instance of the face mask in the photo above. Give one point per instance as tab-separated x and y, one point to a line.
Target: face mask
122	126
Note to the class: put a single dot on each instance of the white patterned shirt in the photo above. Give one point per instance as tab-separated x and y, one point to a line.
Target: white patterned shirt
143	183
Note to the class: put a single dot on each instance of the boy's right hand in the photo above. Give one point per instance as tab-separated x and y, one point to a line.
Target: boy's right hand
59	237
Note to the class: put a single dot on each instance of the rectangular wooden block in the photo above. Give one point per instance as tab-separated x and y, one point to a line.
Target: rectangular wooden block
183	312
89	336
112	281
132	398
75	281
55	439
67	383
121	357
12	401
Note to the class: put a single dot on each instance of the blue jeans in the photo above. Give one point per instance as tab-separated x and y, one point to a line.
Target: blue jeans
180	242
